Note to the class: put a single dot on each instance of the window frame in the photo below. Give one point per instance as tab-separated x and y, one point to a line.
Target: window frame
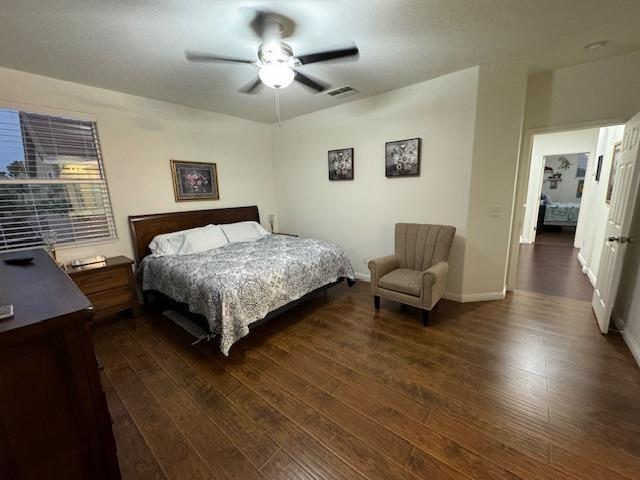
102	182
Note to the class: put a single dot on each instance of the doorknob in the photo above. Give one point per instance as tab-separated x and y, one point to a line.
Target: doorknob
621	239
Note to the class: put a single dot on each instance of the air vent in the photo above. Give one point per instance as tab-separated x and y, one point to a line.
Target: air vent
342	92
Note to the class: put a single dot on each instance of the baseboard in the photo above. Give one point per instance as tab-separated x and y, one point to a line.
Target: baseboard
365	277
474	297
586	270
454	297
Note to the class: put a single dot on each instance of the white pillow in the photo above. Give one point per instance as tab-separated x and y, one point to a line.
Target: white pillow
183	242
201	240
167	243
243	231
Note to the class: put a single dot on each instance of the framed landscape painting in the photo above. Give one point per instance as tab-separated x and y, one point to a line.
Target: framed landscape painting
194	181
402	158
341	164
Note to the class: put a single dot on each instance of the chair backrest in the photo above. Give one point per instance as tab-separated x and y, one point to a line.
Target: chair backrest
420	246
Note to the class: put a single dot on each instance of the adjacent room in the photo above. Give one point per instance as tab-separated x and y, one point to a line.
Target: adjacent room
568	203
321	239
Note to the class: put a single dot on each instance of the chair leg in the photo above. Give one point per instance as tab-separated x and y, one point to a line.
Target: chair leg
425	317
376	302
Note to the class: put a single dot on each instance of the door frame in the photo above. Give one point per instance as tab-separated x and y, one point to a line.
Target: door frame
533	233
522	184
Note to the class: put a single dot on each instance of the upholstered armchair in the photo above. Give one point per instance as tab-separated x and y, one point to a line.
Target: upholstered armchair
416	274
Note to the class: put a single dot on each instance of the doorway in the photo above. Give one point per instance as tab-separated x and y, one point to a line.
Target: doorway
565	211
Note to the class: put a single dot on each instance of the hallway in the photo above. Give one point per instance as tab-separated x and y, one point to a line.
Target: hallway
550	266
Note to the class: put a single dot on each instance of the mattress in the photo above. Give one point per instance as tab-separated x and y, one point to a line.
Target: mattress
562	214
239	284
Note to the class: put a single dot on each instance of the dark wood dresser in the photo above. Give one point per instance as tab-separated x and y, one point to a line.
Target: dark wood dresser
54	421
110	286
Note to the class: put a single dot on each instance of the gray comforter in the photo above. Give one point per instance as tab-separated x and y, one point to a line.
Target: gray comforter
240	283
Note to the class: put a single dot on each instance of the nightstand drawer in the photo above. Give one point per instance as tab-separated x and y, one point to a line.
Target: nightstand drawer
100	281
108	299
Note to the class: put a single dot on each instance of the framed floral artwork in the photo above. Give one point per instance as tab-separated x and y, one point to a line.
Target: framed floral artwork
194	181
341	164
402	158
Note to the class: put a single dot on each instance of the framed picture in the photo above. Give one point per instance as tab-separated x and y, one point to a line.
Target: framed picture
580	189
194	181
599	167
341	164
617	151
402	158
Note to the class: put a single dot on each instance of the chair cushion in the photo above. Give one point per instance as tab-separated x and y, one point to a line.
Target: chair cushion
402	280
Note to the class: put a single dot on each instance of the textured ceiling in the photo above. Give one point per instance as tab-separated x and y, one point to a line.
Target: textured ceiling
137	46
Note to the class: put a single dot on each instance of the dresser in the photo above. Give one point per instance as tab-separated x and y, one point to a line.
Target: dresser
110	285
54	420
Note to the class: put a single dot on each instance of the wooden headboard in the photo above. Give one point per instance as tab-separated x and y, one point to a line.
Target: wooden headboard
145	227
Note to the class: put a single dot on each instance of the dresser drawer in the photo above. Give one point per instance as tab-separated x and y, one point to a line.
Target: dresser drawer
116	297
100	281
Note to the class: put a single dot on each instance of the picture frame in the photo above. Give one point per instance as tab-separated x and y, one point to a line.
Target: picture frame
402	158
341	164
194	181
615	157
599	167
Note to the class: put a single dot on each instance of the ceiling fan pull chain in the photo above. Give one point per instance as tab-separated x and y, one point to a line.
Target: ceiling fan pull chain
278	106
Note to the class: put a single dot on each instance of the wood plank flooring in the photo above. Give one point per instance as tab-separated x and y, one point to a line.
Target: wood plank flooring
550	266
523	388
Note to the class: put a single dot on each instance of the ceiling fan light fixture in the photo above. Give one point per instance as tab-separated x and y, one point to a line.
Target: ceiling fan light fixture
276	75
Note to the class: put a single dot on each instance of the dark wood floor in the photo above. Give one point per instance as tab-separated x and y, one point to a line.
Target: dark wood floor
521	388
550	266
556	236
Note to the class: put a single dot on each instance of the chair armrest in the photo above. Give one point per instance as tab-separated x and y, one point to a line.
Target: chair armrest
381	266
435	274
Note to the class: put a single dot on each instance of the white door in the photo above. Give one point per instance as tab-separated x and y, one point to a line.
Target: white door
623	200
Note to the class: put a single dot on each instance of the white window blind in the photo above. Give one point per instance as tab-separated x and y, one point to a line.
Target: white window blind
51	180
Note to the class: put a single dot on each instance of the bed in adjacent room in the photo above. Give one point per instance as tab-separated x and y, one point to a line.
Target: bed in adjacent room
242	282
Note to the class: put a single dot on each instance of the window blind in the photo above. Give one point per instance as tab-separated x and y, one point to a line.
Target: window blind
51	180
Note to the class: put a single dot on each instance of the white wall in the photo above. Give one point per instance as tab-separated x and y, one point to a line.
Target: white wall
139	136
595	91
360	214
551	144
592	226
500	110
566	191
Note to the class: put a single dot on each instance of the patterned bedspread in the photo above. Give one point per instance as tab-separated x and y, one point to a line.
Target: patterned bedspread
241	283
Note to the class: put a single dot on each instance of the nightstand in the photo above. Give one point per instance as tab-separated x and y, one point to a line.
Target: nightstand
110	286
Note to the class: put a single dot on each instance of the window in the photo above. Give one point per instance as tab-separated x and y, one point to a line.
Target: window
51	180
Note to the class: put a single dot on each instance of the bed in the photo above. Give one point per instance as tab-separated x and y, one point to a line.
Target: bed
229	290
562	214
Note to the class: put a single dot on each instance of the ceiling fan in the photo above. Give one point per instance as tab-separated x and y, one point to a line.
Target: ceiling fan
277	64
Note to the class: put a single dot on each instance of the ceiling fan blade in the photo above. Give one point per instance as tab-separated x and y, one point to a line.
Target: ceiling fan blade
328	55
205	57
309	82
251	87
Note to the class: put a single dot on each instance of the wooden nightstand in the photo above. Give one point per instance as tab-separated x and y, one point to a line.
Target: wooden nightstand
110	286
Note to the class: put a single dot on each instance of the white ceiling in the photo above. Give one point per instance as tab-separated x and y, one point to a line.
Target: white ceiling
137	46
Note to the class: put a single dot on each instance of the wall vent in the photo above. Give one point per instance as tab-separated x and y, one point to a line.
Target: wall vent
342	92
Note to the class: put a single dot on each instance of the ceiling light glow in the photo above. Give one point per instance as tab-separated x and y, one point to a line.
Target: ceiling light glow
276	75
